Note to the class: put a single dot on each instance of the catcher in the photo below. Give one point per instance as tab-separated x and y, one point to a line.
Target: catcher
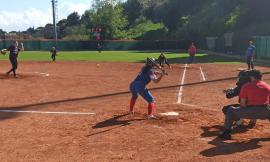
138	86
243	78
163	60
254	103
13	55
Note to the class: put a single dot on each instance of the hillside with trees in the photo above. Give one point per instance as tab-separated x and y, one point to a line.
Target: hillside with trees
160	19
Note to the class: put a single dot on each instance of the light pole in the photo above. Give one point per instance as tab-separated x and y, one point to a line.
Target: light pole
54	4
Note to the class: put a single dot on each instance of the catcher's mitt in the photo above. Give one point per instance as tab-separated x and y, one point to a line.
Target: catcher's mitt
243	78
232	92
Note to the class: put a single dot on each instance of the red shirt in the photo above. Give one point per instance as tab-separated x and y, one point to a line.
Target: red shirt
256	92
192	50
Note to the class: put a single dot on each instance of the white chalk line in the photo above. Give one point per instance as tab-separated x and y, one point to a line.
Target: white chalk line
46	112
190	105
180	93
202	74
39	73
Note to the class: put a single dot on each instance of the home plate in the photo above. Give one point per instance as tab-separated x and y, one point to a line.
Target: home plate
241	69
170	114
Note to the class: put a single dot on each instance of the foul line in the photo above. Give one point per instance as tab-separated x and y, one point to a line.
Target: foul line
180	93
202	74
190	105
46	112
39	73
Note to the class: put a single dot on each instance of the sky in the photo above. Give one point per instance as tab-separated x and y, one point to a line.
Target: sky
19	15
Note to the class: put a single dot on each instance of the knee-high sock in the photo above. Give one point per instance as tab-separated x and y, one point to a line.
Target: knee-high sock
150	108
132	104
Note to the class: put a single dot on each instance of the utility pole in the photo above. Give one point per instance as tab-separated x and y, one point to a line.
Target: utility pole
54	7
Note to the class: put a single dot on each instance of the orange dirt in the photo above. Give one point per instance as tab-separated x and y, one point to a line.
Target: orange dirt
110	135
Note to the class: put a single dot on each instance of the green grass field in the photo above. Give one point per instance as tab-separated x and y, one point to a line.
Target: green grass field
118	56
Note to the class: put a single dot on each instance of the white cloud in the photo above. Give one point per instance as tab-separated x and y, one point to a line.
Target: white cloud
66	8
19	21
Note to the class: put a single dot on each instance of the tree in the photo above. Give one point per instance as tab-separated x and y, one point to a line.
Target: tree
48	31
86	18
2	32
30	31
77	33
62	25
112	20
73	19
133	10
143	28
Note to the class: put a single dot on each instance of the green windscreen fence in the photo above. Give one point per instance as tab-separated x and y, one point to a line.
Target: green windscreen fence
262	44
38	45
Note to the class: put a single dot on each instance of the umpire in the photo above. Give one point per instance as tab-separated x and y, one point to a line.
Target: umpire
13	55
254	103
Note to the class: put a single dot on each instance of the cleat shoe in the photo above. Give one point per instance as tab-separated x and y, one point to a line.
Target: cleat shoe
239	122
131	112
151	117
226	135
252	123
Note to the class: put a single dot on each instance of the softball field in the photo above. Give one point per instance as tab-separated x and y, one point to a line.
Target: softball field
76	111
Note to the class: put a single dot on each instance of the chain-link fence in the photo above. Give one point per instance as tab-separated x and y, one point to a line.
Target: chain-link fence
38	45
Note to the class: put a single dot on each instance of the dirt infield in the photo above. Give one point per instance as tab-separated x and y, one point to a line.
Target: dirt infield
32	132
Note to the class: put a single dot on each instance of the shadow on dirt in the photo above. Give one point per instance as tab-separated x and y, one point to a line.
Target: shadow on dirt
4	116
114	121
44	104
214	130
224	148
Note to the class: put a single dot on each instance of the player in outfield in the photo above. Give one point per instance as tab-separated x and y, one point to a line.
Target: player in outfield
192	52
53	53
13	55
99	47
250	53
138	86
163	60
254	103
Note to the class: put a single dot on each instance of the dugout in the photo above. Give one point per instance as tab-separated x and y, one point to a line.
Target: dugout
262	44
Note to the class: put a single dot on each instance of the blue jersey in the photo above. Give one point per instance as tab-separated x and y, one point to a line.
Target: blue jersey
250	51
145	76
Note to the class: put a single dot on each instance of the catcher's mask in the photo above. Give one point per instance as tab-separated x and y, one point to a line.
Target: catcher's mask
243	77
256	74
243	73
150	62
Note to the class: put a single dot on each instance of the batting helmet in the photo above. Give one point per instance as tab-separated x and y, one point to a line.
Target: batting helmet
150	62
